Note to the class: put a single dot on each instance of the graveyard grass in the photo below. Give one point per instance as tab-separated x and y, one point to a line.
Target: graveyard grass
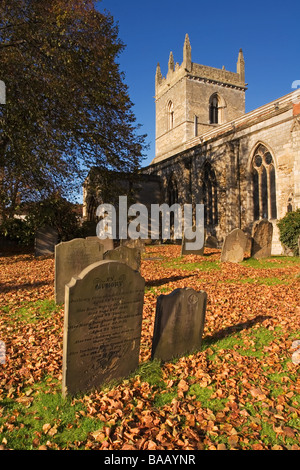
240	391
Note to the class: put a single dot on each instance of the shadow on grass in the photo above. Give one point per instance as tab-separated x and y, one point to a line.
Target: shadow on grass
165	280
231	330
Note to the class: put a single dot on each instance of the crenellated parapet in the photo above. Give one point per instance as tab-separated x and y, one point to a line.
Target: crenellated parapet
198	72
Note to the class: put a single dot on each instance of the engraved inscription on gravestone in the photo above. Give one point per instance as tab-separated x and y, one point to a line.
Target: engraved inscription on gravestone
70	259
102	329
179	323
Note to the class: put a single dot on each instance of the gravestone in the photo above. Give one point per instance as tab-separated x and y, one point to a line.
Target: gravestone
107	243
70	259
45	240
193	251
211	242
130	256
234	246
130	243
102	328
179	323
262	233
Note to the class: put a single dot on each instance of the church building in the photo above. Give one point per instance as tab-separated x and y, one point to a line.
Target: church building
242	166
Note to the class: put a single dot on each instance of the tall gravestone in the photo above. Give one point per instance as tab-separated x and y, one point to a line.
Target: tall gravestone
262	233
130	256
102	327
46	238
234	246
137	243
193	251
70	259
107	243
179	323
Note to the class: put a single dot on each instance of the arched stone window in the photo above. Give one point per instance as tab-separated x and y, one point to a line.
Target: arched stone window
172	195
263	184
216	109
91	209
170	113
210	195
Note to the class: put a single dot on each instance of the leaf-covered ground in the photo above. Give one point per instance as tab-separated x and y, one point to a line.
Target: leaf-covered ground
241	391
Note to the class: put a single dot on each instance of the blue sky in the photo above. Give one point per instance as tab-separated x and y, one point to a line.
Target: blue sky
267	31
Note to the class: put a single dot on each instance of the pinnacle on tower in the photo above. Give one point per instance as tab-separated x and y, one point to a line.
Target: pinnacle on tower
240	66
158	75
187	54
171	64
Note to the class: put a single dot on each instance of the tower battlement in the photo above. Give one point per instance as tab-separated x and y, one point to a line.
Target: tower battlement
192	98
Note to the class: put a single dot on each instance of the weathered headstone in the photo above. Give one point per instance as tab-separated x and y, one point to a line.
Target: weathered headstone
130	256
131	243
179	323
45	240
102	329
107	243
234	246
262	233
211	242
193	251
70	259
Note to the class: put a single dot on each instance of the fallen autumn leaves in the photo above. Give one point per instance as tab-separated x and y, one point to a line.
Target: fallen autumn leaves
242	391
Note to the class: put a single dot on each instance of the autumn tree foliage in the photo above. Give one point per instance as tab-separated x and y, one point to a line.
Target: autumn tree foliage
67	105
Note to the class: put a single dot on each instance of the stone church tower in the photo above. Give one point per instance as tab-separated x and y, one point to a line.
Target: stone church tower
193	99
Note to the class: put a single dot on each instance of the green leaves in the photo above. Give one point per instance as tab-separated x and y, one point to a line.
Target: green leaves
289	227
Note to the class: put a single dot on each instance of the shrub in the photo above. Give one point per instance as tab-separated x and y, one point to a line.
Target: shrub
54	211
289	227
18	230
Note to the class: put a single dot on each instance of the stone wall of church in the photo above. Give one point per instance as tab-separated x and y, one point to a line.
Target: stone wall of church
228	152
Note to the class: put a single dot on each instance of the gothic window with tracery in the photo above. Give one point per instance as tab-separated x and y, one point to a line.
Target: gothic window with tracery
263	184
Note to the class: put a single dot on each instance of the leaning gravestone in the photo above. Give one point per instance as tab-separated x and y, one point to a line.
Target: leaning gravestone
102	329
45	240
262	233
234	246
130	256
70	259
179	323
107	243
193	251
